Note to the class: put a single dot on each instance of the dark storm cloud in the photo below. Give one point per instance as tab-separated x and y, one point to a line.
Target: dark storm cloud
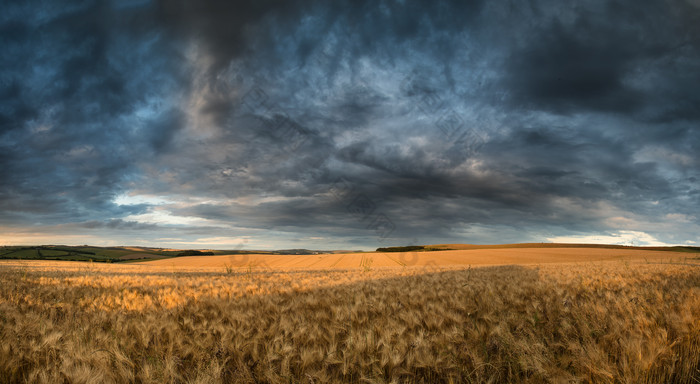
608	57
449	119
225	28
572	67
116	224
73	74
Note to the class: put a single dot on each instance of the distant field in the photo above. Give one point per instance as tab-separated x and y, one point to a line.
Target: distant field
100	254
464	257
85	253
304	258
564	245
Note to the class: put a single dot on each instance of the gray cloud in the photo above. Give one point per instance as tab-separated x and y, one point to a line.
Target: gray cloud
214	119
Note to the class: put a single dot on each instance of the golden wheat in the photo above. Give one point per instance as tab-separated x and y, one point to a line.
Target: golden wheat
636	322
459	257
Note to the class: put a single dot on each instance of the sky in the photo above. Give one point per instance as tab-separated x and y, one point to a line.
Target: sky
349	124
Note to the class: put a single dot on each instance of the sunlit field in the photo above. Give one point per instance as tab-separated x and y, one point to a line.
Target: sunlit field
454	258
624	320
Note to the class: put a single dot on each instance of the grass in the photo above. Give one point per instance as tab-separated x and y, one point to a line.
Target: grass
603	322
21	253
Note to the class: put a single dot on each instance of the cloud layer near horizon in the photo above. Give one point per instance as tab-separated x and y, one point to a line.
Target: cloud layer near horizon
349	124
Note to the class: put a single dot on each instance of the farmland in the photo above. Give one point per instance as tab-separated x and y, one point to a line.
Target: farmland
79	253
118	254
90	253
455	257
547	316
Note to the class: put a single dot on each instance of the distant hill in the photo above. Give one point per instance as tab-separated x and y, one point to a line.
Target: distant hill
91	253
304	252
445	247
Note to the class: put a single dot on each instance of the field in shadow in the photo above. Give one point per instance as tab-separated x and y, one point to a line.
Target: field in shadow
606	322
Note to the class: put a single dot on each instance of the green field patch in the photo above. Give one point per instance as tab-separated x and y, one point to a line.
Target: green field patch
141	256
53	252
22	253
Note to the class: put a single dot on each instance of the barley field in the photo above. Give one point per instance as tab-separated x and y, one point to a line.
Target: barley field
607	321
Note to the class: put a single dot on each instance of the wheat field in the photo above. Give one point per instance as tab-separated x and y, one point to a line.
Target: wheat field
612	321
449	258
